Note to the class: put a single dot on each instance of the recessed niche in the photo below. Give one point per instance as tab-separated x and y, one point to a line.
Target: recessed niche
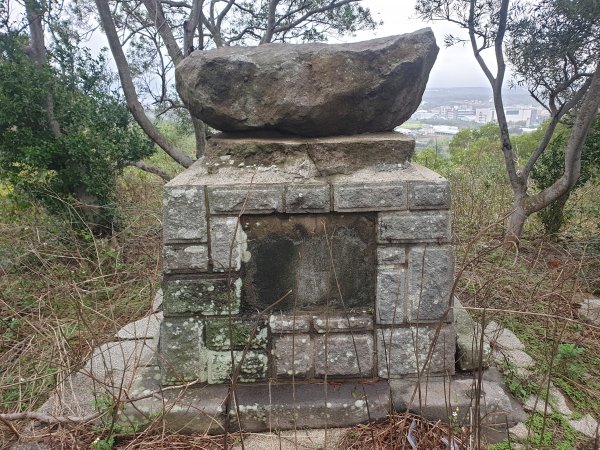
313	262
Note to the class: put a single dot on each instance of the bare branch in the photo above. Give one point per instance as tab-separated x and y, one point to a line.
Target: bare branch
150	169
156	12
298	21
133	104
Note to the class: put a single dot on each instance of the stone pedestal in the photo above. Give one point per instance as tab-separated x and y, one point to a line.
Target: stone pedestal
306	261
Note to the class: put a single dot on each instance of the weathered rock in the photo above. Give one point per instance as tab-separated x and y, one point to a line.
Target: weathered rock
309	89
590	310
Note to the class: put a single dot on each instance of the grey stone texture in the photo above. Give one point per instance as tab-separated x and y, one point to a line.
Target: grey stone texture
307	198
430	280
341	323
415	226
309	89
289	323
405	351
429	195
206	296
452	400
253	366
590	311
184	214
471	355
369	197
181	355
285	407
390	296
293	160
145	328
347	354
391	255
587	425
293	355
196	409
235	334
227	243
251	199
185	258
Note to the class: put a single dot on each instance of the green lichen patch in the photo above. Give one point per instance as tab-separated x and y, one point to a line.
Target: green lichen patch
202	296
253	366
242	334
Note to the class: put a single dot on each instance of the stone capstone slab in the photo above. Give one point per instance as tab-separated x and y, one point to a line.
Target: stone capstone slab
414	226
309	89
301	158
342	323
184	214
348	354
404	351
206	296
284	407
289	323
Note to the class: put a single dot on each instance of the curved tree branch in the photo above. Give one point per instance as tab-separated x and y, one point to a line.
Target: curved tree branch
133	104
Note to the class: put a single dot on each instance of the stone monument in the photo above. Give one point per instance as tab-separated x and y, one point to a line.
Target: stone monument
307	261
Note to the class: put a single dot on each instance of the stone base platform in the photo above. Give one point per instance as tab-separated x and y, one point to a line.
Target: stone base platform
286	406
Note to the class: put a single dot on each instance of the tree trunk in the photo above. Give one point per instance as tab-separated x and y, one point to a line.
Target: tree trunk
516	221
133	103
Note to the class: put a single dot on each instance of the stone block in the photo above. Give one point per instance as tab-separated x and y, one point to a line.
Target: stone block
188	258
391	255
342	323
468	340
390	296
414	226
369	196
280	323
253	199
227	243
430	280
181	354
429	195
453	400
198	409
243	333
590	310
344	354
307	198
206	296
405	351
292	355
254	366
184	214
314	405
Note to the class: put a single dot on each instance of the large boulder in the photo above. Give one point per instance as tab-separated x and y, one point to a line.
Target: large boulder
309	89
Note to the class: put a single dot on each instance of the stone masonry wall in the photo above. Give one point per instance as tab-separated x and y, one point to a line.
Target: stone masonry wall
206	247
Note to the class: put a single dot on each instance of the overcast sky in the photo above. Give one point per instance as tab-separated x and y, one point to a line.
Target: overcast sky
455	66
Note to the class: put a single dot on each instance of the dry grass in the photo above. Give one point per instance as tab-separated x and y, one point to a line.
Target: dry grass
64	292
405	431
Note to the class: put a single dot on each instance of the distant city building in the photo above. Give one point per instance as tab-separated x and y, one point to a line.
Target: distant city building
445	129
